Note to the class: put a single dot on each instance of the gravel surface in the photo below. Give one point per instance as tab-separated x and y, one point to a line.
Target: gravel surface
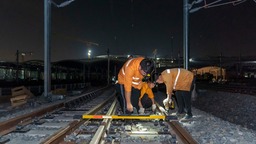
219	118
208	129
233	107
223	118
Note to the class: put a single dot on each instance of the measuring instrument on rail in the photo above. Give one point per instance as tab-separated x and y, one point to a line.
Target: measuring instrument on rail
141	117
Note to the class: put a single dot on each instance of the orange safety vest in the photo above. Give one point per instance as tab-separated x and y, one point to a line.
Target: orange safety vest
129	75
177	79
145	89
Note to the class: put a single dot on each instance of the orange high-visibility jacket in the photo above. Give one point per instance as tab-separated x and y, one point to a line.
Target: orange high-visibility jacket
129	74
177	79
146	89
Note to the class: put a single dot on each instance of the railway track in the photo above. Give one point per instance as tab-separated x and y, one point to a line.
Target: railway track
63	123
232	88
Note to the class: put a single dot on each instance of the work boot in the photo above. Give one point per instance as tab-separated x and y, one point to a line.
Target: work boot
180	115
186	118
135	112
142	111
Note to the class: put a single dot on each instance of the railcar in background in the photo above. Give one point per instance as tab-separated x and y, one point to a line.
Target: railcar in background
62	72
32	73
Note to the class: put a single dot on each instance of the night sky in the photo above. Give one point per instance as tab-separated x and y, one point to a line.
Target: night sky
125	27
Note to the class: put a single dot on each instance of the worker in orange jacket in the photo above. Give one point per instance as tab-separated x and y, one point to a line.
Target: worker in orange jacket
182	82
146	98
130	82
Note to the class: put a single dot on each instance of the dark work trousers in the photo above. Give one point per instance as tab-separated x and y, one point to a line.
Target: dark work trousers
146	101
120	93
184	100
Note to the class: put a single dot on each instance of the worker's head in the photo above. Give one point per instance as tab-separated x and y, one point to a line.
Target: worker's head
146	67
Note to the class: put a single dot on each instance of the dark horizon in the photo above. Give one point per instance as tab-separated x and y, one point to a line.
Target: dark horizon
126	27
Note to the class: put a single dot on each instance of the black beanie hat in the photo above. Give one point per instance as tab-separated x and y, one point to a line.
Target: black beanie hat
147	65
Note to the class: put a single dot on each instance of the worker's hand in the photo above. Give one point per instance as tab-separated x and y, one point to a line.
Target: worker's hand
142	111
151	85
167	102
129	107
154	107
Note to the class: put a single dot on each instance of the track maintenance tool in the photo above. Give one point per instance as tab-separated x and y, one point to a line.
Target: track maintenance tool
163	117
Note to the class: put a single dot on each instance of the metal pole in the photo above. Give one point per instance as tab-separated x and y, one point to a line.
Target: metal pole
172	47
185	35
179	58
17	66
84	72
47	61
155	63
89	68
221	77
108	65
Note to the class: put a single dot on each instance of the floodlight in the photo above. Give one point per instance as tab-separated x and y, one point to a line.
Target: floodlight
62	4
65	3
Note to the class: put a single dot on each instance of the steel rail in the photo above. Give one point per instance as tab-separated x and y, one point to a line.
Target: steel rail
10	125
178	130
184	136
243	89
59	136
105	123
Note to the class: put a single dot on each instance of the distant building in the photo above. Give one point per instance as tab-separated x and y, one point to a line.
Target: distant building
219	74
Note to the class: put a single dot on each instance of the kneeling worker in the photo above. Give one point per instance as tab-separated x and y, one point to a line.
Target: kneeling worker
130	82
146	98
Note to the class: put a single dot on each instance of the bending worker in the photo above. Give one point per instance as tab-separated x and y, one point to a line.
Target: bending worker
181	81
130	82
146	98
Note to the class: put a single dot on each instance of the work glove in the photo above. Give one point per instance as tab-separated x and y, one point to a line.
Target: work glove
154	107
166	103
142	111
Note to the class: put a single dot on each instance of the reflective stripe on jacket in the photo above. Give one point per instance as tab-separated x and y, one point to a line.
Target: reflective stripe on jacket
129	75
177	79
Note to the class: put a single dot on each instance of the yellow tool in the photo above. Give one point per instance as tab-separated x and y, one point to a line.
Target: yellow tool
130	117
